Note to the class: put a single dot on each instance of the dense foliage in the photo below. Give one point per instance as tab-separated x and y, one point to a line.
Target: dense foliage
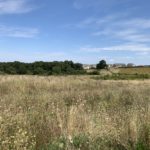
101	65
41	68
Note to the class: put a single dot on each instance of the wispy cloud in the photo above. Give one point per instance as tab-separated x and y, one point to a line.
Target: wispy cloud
130	33
131	30
143	53
79	4
120	27
123	47
126	34
15	6
95	22
18	32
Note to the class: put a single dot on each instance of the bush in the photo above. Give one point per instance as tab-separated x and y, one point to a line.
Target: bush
95	72
81	142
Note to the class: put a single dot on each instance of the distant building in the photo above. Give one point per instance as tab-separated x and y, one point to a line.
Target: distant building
87	67
110	65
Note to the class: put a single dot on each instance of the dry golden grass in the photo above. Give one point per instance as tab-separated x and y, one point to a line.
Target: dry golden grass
36	112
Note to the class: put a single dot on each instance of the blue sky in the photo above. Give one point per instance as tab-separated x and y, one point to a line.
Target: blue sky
84	31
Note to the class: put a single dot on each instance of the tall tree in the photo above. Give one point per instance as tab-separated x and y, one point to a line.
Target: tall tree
101	65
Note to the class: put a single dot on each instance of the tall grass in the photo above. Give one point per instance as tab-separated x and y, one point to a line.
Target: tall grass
72	113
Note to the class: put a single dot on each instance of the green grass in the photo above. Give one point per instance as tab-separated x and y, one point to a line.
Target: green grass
84	142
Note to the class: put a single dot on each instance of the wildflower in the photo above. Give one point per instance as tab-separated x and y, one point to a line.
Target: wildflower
70	139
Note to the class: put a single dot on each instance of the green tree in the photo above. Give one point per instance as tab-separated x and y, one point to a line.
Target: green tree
101	65
78	66
10	70
56	70
38	71
22	69
42	68
70	70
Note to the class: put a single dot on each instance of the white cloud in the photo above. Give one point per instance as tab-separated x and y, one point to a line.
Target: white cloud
124	47
127	34
96	22
125	30
118	27
132	33
14	6
18	32
78	4
100	4
143	53
137	22
87	23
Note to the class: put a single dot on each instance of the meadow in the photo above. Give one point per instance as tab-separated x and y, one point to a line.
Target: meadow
134	73
135	70
73	113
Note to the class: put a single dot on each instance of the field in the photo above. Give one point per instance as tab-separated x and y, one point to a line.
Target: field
139	73
73	113
139	70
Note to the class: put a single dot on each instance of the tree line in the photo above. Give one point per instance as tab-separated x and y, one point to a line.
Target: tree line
41	68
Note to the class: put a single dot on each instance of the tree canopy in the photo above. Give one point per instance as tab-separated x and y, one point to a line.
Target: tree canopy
101	65
41	68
